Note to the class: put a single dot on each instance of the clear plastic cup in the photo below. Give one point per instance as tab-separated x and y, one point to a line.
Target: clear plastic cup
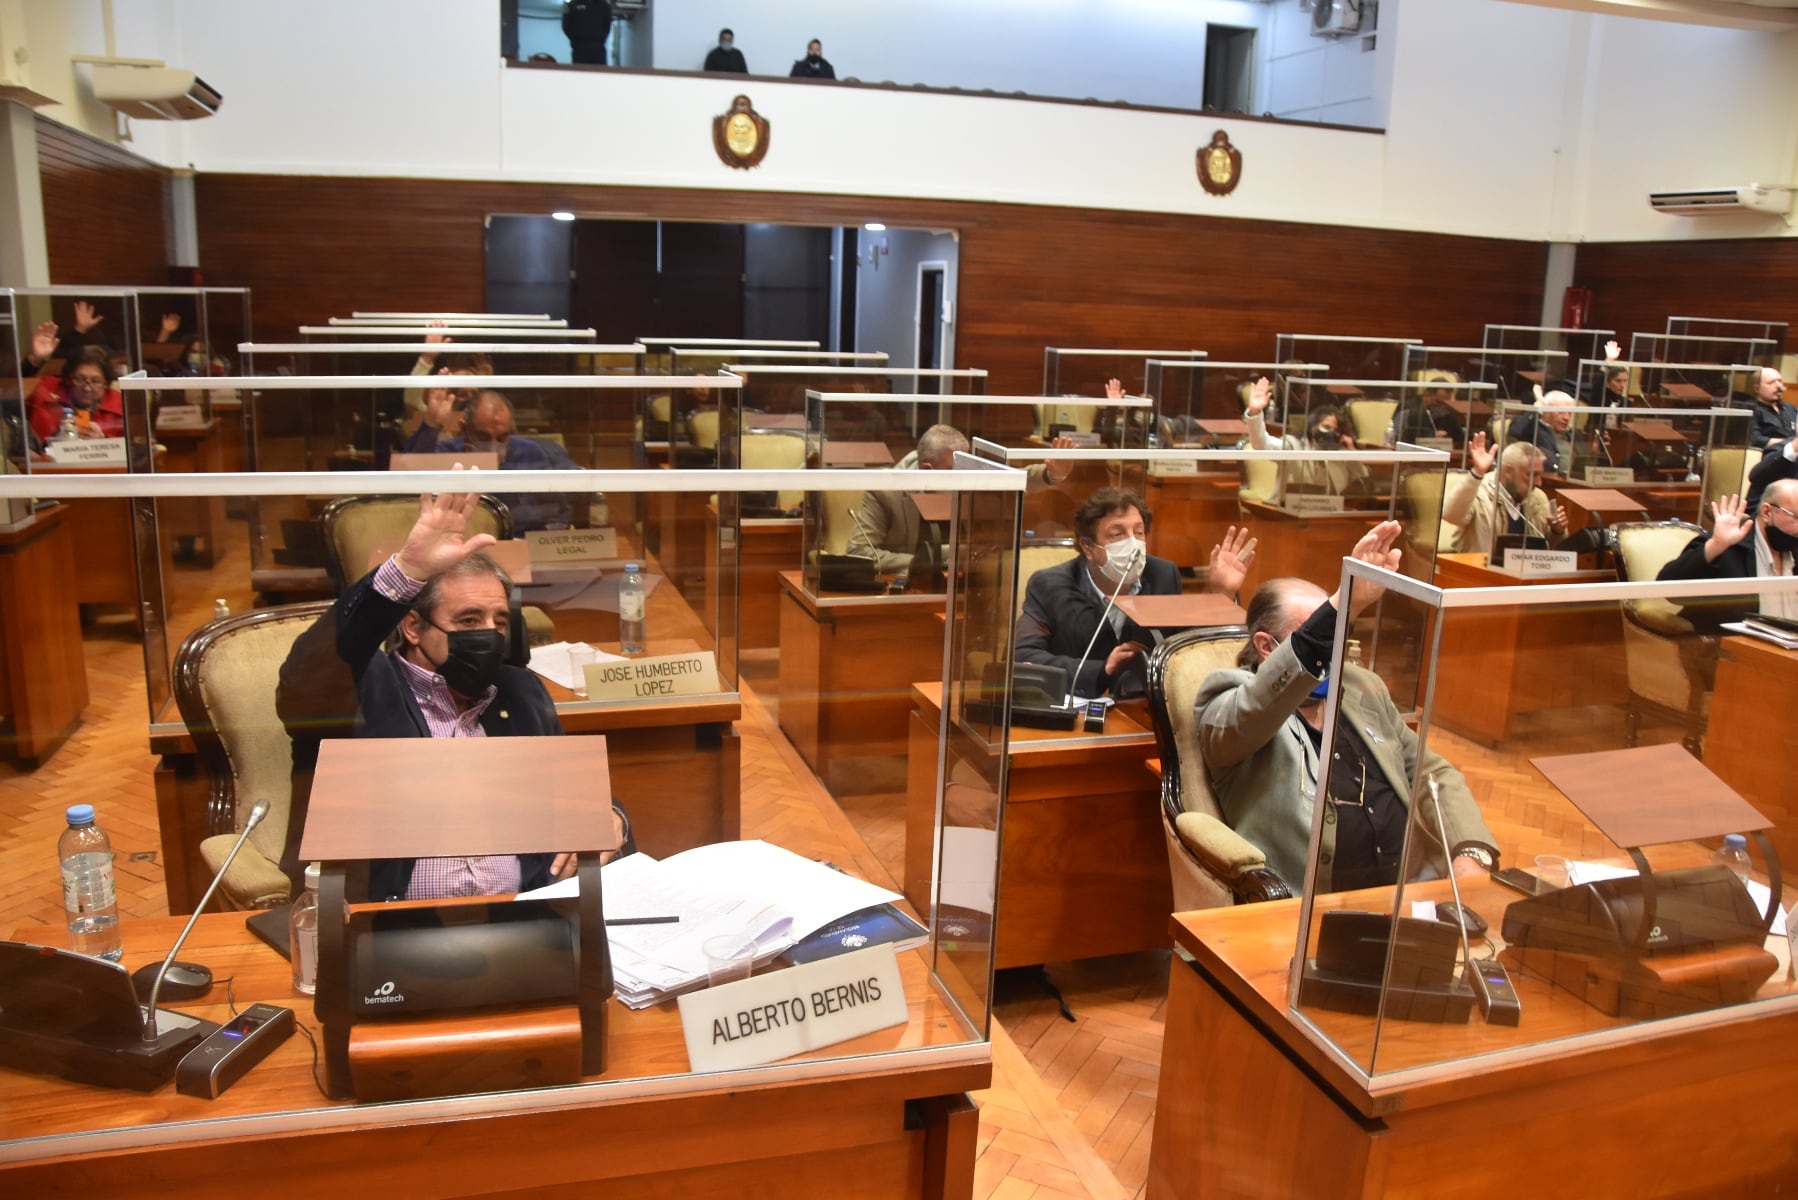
728	958
1551	869
580	657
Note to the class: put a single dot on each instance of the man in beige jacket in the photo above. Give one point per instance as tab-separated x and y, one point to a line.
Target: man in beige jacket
1482	504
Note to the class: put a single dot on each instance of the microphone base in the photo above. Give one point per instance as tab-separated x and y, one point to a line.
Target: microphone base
144	979
1061	720
116	1060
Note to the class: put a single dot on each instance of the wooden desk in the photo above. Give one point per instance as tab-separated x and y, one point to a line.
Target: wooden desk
1496	663
106	552
43	676
1082	862
896	1120
847	664
1249	1106
1191	513
1311	546
196	522
766	547
1748	741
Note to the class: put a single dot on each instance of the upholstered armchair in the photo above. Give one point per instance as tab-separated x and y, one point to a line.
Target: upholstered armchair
1663	655
356	526
225	677
1212	865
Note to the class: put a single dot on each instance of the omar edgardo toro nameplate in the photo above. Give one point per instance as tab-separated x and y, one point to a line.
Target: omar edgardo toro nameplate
769	1017
1529	563
648	678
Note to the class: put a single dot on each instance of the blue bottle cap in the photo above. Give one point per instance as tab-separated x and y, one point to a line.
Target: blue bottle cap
631	568
81	814
1733	841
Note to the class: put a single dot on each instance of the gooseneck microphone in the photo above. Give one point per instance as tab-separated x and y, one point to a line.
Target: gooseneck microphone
873	546
259	811
1513	509
1110	603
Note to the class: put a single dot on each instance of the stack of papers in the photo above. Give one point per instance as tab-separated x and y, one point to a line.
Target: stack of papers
551	661
768	895
1785	639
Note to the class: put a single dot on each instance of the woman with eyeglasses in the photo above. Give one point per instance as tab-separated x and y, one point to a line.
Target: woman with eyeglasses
86	393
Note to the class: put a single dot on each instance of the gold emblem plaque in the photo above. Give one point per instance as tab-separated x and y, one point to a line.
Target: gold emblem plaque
741	135
1219	165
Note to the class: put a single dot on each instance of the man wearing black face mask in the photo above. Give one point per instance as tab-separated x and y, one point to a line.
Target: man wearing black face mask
443	606
1743	545
813	65
725	56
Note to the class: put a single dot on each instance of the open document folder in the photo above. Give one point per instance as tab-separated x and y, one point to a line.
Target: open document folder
770	896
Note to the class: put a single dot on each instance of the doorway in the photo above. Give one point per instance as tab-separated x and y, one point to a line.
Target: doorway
932	316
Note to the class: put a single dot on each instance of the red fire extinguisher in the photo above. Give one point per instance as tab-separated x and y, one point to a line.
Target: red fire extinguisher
1576	307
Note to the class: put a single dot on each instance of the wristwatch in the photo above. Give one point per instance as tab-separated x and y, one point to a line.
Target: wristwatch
1479	852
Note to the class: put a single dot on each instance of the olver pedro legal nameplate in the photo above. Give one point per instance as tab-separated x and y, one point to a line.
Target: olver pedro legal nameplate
770	1017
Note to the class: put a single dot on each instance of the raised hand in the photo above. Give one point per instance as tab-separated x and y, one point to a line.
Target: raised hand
1260	392
1731	523
440	404
1612	351
171	324
1058	472
1230	560
1480	454
434	336
1557	518
85	316
437	542
43	341
1114	389
1377	548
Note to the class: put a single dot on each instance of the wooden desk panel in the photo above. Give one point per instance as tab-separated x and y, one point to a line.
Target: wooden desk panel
1496	663
1308	547
43	674
198	522
1567	1113
1748	742
1191	514
1083	865
767	546
655	1132
847	665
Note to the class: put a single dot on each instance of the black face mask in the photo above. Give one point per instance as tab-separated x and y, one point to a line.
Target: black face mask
474	660
814	59
1780	540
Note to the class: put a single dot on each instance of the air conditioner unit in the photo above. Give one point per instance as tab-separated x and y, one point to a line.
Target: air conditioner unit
1335	18
155	93
1704	202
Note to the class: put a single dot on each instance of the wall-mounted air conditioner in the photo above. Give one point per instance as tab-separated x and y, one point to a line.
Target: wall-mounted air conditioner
155	93
1335	18
1704	202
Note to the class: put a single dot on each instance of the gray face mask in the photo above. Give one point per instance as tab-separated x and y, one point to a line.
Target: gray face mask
724	43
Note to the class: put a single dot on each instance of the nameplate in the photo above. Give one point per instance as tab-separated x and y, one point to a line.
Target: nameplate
1083	441
180	416
1303	504
1609	476
662	675
1528	563
1435	443
572	545
88	452
766	1018
1162	470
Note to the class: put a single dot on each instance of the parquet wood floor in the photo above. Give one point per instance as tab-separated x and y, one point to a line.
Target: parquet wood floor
1071	1107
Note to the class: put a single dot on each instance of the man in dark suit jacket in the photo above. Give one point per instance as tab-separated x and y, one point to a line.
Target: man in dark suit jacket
1742	544
1774	419
1063	603
1548	427
446	676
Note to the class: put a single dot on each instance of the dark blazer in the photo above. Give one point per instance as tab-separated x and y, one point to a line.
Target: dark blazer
1060	614
1737	562
1772	466
1773	423
337	682
1532	428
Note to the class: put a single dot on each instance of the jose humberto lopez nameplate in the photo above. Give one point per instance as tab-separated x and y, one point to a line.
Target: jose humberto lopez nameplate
662	675
775	1016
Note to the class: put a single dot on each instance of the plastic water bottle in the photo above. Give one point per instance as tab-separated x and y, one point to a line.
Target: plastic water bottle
1733	855
67	429
220	608
302	935
88	894
630	610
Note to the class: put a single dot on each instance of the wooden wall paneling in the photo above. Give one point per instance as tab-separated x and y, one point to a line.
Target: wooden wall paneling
107	213
1636	286
1030	276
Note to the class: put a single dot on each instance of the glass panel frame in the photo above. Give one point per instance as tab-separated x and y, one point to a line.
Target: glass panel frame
1346	356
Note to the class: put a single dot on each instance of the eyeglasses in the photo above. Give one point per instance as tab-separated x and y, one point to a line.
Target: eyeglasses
1782	508
1360	800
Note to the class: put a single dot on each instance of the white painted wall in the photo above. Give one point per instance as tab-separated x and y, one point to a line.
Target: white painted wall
886	290
1345	81
1142	51
1505	120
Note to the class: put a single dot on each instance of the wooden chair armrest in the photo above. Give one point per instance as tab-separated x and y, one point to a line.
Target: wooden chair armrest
1252	887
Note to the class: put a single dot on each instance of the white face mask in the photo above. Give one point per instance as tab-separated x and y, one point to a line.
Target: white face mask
1122	562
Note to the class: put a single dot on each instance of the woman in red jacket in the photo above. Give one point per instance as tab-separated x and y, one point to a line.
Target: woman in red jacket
85	389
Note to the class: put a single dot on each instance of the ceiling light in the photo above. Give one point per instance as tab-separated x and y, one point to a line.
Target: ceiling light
562	214
875	227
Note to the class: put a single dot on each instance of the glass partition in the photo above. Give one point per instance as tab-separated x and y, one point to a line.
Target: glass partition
1625	382
1774	331
1202	403
456	318
661	350
1329	413
1515	373
1704	348
471	333
771	401
1349	357
671	759
459	357
191	330
1576	343
1535	744
17	373
1607	464
1070	371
